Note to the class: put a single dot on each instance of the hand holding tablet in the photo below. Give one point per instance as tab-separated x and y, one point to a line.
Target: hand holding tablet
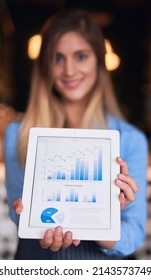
69	182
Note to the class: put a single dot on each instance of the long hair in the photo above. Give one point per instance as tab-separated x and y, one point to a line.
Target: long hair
45	108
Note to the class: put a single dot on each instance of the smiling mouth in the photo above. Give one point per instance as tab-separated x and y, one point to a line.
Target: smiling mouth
71	84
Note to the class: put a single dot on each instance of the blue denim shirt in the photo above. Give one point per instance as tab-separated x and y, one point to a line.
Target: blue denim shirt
133	149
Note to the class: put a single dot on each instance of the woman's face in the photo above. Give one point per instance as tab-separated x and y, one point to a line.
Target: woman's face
75	70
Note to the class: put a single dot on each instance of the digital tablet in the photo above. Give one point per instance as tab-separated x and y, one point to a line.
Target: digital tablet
69	182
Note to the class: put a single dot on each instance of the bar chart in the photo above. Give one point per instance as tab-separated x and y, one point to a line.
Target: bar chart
70	195
81	169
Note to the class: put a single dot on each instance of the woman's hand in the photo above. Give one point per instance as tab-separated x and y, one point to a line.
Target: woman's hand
18	206
53	239
126	184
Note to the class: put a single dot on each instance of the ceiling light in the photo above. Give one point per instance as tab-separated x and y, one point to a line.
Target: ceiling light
34	44
112	60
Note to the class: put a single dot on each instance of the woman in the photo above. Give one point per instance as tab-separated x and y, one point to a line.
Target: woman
71	88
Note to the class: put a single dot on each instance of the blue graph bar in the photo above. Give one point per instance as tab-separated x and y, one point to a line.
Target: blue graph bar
99	165
58	197
53	197
76	197
93	197
95	175
72	174
86	170
63	176
67	198
54	176
82	170
77	170
72	195
59	174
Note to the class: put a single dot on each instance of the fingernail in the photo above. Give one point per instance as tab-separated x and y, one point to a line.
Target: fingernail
69	235
59	231
49	234
122	176
119	182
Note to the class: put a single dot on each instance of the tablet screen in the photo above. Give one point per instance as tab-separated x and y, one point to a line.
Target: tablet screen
71	183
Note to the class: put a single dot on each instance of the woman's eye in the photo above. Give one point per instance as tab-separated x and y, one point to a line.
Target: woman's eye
59	58
81	56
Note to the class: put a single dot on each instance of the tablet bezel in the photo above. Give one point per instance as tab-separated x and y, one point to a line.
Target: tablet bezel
24	230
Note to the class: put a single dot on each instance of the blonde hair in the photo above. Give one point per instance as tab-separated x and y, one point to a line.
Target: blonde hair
45	108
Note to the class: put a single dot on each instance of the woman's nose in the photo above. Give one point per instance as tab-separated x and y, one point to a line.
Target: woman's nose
70	67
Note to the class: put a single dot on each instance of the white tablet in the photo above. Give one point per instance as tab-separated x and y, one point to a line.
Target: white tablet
69	182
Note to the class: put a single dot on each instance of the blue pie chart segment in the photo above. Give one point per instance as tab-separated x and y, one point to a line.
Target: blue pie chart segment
46	215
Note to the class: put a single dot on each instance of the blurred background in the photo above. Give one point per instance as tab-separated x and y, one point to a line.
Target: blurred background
126	25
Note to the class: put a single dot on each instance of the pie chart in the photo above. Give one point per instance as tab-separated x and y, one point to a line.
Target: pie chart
46	215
